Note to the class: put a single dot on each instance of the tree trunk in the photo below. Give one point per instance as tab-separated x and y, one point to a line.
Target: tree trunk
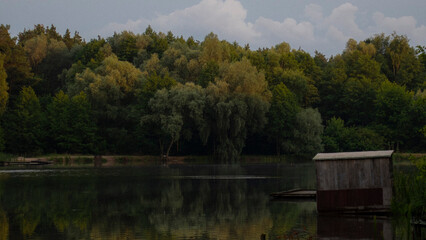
162	156
168	149
278	147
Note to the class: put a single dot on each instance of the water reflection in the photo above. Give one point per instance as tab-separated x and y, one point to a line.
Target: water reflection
335	227
167	203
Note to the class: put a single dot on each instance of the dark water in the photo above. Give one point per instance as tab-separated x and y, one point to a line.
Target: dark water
175	202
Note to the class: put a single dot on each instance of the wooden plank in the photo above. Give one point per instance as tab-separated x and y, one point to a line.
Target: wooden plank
294	194
353	155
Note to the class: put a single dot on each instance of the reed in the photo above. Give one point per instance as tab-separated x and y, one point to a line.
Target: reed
410	191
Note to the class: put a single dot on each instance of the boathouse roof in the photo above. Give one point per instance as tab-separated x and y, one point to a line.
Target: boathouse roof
353	155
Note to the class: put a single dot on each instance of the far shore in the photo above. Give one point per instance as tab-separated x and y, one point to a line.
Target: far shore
135	160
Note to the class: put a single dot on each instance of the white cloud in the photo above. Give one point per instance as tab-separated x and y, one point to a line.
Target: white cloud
225	18
343	18
130	25
327	33
314	12
406	25
289	30
335	34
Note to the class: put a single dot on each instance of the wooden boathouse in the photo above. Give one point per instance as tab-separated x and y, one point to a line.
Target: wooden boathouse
354	182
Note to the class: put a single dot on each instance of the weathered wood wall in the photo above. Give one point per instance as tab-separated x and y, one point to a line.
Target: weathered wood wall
354	184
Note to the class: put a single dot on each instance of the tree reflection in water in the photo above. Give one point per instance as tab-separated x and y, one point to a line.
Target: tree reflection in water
153	203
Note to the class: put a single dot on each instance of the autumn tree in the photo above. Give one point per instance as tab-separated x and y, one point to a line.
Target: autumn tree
111	89
16	63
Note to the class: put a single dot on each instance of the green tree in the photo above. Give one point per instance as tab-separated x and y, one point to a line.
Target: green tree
331	88
71	125
57	59
333	135
306	133
91	53
23	124
237	104
154	82
281	116
4	95
302	86
36	49
177	113
209	72
111	89
339	138
417	126
124	45
157	42
421	52
212	50
16	63
398	60
392	105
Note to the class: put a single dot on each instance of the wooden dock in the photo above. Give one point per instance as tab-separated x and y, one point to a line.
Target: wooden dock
22	163
295	195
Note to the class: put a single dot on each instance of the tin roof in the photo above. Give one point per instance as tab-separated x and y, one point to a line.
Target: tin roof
353	155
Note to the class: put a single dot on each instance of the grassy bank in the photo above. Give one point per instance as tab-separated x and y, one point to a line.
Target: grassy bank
6	157
409	199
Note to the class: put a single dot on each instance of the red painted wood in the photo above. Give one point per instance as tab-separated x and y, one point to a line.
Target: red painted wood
335	200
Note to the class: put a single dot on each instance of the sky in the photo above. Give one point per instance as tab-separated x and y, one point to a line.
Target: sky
322	25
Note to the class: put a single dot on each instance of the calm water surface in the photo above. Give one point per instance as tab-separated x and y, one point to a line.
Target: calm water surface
175	202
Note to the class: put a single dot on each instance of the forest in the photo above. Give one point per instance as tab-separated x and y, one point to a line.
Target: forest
157	93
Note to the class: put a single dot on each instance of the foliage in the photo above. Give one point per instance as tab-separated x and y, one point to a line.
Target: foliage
339	138
16	63
4	95
392	105
237	104
410	192
306	134
2	142
71	125
173	112
282	116
371	95
22	124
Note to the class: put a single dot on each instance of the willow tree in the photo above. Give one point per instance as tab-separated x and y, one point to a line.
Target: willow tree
176	113
237	103
307	133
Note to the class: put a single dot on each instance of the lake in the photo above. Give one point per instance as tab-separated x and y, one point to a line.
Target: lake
173	202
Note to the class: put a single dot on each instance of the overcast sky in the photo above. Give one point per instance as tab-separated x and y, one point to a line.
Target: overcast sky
323	25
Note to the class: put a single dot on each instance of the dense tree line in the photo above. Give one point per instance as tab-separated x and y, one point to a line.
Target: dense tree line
154	92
